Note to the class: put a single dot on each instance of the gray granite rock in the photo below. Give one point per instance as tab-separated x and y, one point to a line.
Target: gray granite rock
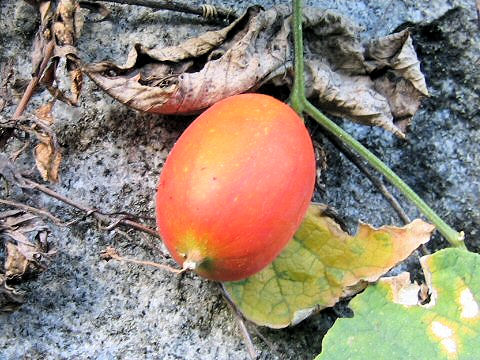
85	308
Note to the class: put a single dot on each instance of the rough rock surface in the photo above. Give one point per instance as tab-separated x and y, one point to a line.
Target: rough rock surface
83	307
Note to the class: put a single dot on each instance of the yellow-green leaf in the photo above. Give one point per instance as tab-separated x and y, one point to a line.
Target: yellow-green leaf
390	323
320	265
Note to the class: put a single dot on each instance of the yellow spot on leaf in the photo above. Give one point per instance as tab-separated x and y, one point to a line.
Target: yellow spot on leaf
468	305
440	330
449	345
446	337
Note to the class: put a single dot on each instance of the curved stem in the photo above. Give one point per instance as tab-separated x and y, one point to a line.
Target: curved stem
300	103
297	96
453	237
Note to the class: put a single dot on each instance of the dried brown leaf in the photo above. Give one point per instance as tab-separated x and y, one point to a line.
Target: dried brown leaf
25	239
76	82
43	37
24	236
47	158
14	218
402	97
396	52
63	24
69	22
349	96
16	264
168	85
10	298
256	49
44	113
46	11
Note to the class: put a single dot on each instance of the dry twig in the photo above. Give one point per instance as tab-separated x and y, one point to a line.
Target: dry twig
272	347
111	253
376	181
27	95
240	322
206	11
356	160
33	210
97	214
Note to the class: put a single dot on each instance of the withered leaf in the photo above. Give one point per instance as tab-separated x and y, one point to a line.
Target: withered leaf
27	251
44	113
396	52
16	263
59	30
403	84
321	265
347	78
10	298
43	37
169	84
47	158
25	240
47	153
69	22
76	82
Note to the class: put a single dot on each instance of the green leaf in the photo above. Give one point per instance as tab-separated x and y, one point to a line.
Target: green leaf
390	323
321	265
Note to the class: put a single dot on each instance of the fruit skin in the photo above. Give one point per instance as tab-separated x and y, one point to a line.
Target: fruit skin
235	187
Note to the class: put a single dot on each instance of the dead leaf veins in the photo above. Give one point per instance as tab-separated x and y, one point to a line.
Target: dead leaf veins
24	237
376	83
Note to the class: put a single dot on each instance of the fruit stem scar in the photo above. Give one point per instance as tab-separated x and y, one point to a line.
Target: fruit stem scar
193	260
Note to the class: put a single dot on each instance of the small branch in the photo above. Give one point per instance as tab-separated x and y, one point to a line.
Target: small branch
27	95
240	322
17	153
357	161
375	180
270	345
206	11
110	253
39	212
90	211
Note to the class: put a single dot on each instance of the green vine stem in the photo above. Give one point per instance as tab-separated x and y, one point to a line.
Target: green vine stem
297	97
300	104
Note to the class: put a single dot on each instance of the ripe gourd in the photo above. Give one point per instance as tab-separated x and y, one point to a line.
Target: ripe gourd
235	187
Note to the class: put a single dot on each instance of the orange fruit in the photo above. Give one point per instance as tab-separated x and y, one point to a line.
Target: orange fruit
235	187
